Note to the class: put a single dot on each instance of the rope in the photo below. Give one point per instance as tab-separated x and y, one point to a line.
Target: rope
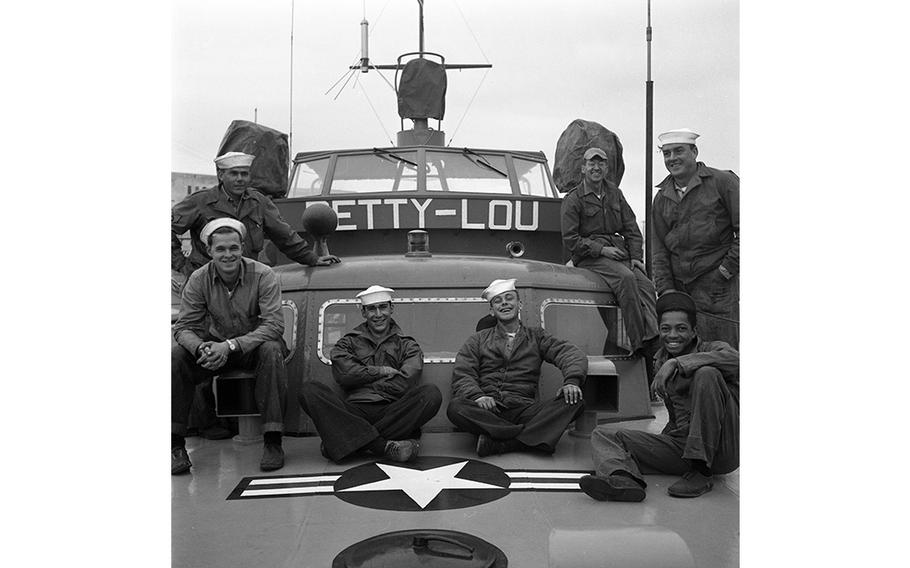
486	60
376	114
471	102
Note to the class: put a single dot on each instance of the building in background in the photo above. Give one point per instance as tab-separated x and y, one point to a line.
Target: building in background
184	184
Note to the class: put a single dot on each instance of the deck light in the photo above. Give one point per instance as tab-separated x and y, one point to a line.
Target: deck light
418	243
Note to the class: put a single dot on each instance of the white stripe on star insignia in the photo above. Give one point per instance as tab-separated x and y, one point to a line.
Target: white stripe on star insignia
421	486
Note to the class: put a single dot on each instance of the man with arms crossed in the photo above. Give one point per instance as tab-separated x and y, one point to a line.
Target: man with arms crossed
378	368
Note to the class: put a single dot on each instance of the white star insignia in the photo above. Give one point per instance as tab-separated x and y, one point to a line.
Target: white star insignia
422	486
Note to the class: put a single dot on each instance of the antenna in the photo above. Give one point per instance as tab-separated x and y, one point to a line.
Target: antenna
291	98
649	148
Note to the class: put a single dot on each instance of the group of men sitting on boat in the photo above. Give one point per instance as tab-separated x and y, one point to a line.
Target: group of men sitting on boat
685	321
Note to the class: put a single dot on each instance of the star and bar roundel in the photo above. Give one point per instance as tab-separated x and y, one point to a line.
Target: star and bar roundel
429	483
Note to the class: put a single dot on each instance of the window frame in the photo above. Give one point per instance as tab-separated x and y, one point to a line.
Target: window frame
582	302
320	327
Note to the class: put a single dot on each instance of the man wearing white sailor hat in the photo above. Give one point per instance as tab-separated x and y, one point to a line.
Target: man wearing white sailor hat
379	405
695	224
230	318
496	378
233	197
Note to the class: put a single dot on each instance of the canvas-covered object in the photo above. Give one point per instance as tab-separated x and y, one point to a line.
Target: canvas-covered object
269	172
570	148
422	90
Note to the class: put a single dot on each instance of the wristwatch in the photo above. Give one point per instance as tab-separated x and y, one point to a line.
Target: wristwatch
724	272
232	345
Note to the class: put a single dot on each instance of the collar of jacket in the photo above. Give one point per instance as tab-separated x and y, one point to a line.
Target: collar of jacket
668	186
607	186
361	330
219	199
213	272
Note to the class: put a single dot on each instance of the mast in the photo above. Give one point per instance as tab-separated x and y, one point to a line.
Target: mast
649	148
291	105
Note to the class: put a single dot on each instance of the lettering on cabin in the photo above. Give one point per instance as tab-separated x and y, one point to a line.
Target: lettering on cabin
436	213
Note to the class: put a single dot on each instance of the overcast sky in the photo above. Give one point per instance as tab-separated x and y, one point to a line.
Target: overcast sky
553	62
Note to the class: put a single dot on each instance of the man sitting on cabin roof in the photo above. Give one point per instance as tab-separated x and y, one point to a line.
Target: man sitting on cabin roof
230	317
378	368
233	198
600	231
699	381
495	381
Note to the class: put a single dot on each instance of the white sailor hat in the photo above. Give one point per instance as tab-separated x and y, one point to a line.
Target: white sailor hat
678	136
222	222
591	152
233	160
497	287
375	295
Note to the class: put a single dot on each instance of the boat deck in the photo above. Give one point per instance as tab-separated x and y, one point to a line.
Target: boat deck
227	513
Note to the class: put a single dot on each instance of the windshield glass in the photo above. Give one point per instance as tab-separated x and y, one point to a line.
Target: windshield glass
380	171
532	178
309	178
467	173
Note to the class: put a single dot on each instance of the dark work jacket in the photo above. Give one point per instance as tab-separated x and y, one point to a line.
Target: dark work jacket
717	354
257	213
356	360
698	232
589	223
482	368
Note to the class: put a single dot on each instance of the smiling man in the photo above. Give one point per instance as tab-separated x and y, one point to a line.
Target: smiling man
695	223
378	370
230	317
600	231
699	381
234	198
495	381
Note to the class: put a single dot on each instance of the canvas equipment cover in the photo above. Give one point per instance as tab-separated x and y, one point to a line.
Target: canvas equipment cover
570	148
422	90
269	173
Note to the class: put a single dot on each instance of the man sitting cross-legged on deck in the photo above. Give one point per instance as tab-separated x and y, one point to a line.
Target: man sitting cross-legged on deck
699	382
378	367
495	381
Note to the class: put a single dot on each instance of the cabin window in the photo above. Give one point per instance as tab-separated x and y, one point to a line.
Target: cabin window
380	171
532	178
309	178
440	325
467	173
596	329
289	317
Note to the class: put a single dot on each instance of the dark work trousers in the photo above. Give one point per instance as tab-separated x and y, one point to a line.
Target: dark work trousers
707	429
345	427
717	300
634	293
538	425
266	361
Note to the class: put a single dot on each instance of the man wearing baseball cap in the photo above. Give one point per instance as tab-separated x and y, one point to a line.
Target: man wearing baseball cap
233	197
695	224
600	231
699	381
495	381
382	404
230	318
